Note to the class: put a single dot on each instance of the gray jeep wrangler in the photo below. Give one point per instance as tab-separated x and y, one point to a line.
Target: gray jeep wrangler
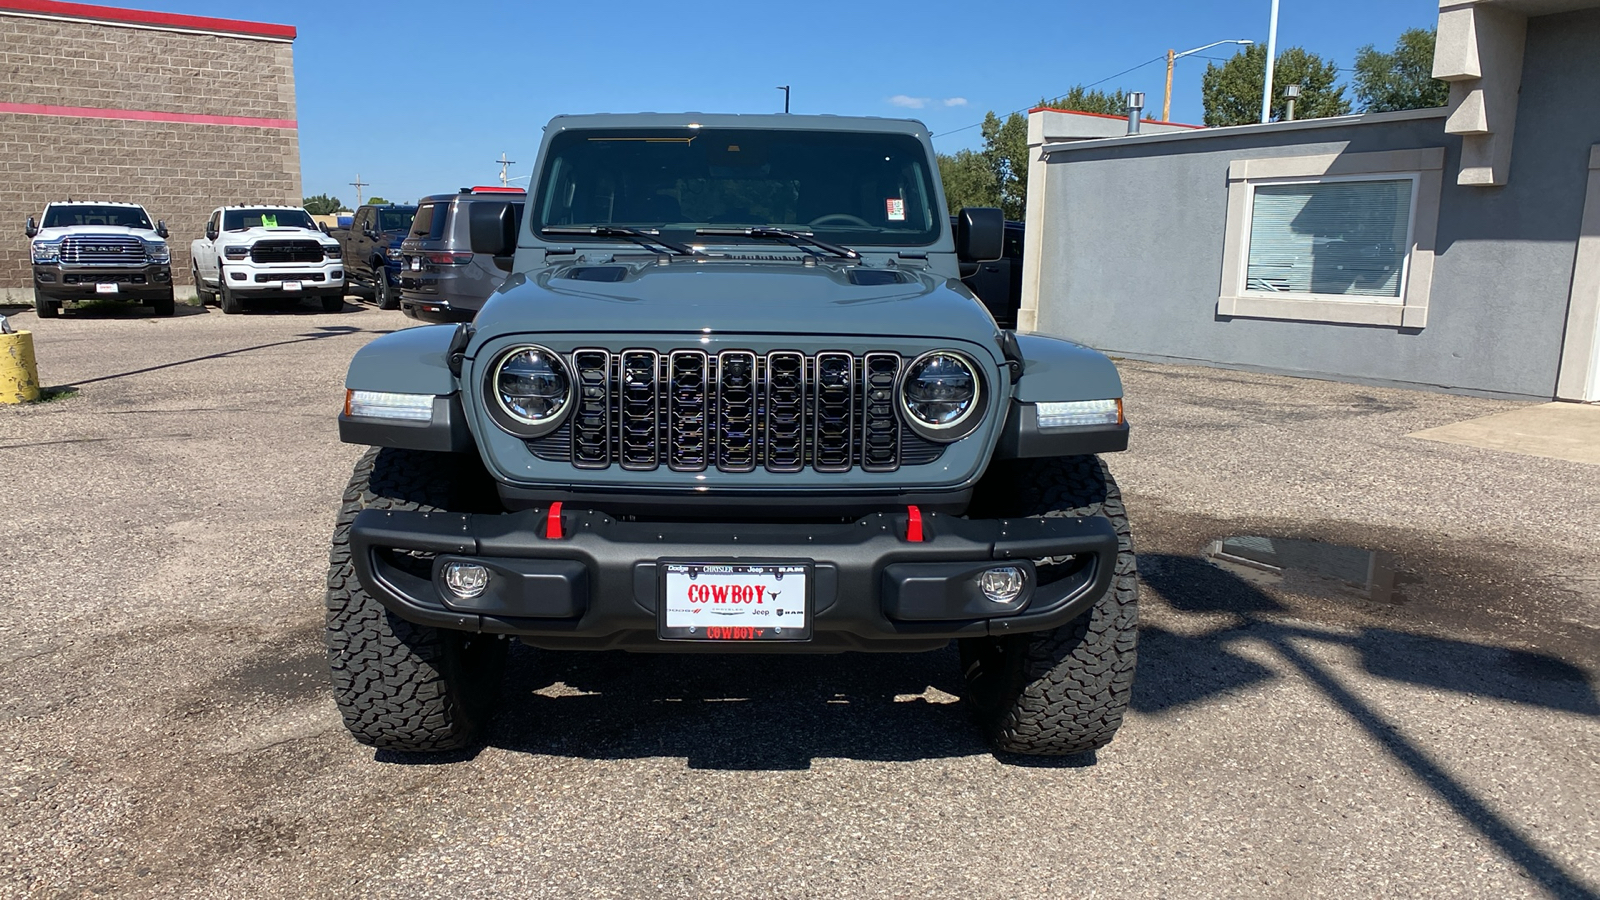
733	397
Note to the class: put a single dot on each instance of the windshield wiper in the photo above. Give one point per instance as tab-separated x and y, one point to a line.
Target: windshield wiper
799	239
638	235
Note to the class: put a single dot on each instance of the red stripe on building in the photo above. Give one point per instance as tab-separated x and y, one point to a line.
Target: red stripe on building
150	19
142	115
1095	115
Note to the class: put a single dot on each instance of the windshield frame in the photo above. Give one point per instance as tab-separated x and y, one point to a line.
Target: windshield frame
792	172
237	214
101	211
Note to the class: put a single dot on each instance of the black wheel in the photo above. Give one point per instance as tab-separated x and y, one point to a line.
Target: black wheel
200	292
332	303
44	307
1059	692
402	686
383	293
228	300
164	306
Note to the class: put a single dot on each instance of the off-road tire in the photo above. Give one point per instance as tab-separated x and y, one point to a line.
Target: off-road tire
164	306
382	293
402	686
332	303
1063	691
44	307
228	300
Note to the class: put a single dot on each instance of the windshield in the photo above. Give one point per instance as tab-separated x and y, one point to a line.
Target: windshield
240	219
398	219
119	216
856	188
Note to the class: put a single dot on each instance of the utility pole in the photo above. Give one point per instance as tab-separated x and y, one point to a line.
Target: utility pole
1172	57
785	89
1272	61
503	163
358	184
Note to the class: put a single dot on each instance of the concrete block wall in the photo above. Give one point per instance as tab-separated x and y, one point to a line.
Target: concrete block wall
179	170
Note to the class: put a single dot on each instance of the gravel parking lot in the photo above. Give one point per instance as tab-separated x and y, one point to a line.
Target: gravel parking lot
163	539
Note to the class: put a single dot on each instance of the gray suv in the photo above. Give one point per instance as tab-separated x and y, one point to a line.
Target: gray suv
734	398
454	256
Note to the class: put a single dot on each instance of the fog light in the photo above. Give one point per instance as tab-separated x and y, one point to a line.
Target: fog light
1002	584
466	580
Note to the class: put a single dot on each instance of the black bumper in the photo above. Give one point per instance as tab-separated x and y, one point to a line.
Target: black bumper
136	283
597	587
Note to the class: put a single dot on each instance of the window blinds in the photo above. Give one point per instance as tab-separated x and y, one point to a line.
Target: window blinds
1344	238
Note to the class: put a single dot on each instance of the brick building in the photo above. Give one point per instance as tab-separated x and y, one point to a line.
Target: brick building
179	113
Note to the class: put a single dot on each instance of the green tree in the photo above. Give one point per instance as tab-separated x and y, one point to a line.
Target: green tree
322	205
968	180
1006	152
1110	103
376	201
1402	79
1232	91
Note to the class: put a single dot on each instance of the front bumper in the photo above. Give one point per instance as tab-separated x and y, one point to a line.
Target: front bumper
597	587
249	279
59	282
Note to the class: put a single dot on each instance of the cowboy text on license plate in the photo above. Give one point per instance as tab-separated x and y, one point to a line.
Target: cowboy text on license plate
734	602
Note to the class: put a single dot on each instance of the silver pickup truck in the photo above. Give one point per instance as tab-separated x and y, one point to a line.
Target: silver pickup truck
733	398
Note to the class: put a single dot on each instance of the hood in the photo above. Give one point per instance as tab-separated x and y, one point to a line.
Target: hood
281	233
774	296
57	233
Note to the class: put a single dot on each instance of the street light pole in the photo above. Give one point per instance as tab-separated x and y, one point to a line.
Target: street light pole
785	89
1172	57
1272	59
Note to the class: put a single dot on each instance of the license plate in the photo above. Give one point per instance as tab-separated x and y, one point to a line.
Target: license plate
291	285
735	601
106	287
416	264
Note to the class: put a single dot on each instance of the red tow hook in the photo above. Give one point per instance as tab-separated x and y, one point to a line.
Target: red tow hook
913	524
552	522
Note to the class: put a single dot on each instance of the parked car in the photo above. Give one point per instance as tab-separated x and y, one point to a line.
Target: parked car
372	250
452	259
733	398
998	282
266	252
93	250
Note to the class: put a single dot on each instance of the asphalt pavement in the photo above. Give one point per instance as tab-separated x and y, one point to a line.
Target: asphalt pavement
1426	727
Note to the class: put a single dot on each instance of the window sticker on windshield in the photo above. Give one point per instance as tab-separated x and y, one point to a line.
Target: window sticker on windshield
897	209
269	221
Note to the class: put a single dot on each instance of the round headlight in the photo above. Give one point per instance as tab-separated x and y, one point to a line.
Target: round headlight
531	390
940	394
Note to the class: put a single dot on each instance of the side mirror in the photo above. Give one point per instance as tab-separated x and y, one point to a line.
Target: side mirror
980	234
322	227
161	228
494	234
31	228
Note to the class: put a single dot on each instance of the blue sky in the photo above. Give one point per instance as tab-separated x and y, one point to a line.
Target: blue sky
421	97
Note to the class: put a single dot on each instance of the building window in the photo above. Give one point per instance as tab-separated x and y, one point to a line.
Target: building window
1337	238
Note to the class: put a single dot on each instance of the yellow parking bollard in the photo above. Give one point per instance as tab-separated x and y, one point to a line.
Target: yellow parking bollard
19	374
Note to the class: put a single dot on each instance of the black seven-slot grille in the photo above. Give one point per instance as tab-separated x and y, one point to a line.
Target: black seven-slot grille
735	411
286	251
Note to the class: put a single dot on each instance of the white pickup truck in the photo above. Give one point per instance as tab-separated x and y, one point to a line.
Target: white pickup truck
261	252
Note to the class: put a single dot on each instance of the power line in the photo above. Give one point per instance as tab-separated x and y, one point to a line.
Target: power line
1094	84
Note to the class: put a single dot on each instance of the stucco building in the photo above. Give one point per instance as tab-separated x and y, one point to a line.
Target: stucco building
179	113
1454	248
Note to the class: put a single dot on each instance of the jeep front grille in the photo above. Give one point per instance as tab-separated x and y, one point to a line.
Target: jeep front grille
735	411
286	251
88	250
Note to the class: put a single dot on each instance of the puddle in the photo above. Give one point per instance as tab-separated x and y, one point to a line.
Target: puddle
1312	567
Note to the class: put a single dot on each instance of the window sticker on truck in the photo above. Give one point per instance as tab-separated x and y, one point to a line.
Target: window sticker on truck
897	209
